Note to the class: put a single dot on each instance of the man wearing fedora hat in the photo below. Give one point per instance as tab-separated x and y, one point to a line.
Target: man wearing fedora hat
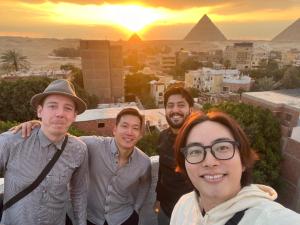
22	160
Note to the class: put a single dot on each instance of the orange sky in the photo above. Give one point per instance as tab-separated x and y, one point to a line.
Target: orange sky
152	19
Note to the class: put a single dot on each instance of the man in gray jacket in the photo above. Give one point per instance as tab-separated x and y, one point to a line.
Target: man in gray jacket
22	160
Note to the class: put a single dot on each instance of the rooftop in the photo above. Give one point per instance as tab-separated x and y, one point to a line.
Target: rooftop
288	97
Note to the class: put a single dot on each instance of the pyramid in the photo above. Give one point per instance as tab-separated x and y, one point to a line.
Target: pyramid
135	38
205	30
291	33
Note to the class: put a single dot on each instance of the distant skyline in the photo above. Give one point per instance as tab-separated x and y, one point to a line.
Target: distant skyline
152	19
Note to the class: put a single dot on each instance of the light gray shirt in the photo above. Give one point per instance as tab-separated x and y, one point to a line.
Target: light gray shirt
114	192
22	160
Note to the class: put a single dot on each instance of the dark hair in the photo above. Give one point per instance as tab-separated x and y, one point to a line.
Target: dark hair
178	91
129	111
248	155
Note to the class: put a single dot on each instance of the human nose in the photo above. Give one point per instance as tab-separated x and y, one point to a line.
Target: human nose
59	111
209	158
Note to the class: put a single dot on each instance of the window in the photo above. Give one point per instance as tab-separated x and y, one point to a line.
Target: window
101	125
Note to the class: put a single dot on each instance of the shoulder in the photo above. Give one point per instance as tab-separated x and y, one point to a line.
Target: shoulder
95	140
77	142
270	212
9	138
186	210
142	155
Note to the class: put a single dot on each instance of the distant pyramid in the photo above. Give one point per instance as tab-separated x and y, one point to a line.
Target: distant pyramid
291	33
135	38
205	30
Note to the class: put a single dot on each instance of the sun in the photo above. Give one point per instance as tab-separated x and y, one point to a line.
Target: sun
132	17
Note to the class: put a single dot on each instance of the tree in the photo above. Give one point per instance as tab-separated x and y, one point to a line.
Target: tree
13	61
263	130
194	92
148	143
76	74
291	78
264	84
15	98
66	52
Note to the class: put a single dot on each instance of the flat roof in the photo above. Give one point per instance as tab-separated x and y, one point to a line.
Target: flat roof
287	97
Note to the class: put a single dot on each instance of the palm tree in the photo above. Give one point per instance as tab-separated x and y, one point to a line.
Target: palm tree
13	61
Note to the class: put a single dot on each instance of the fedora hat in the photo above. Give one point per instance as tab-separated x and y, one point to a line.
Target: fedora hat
60	87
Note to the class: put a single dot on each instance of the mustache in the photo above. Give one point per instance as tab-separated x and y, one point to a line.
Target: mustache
176	114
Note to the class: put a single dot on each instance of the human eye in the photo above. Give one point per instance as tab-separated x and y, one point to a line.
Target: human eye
222	147
195	151
51	106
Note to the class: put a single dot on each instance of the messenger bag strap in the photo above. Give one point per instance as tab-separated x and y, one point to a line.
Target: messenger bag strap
236	218
39	179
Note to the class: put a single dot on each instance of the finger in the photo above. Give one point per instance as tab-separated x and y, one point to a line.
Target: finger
24	130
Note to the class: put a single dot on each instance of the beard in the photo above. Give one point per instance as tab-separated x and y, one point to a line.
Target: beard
176	125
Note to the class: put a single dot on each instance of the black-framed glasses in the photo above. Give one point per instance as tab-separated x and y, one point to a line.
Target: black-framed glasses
223	150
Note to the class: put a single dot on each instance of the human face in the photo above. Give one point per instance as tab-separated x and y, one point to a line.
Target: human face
127	132
57	114
216	180
177	110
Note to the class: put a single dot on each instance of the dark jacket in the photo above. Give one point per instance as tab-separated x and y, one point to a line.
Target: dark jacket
171	185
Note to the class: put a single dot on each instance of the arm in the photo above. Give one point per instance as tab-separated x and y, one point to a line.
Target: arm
78	191
26	127
144	187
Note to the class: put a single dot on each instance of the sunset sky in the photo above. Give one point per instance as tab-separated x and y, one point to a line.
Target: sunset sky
152	19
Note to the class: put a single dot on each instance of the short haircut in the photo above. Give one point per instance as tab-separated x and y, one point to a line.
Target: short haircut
178	91
129	111
248	155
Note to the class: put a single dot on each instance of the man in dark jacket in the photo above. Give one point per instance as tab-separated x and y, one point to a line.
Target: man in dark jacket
171	185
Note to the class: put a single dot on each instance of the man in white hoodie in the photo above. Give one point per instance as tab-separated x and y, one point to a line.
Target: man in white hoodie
215	153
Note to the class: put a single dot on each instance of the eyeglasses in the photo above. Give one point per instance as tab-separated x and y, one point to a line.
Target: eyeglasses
196	153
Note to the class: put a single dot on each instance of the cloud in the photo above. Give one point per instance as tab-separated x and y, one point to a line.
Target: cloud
235	5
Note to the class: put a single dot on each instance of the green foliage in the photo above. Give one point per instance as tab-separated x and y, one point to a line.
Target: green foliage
77	80
264	84
148	143
13	61
138	84
15	97
194	92
66	52
5	125
263	130
291	78
76	132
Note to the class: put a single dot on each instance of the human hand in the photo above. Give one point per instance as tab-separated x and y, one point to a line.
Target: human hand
26	127
156	206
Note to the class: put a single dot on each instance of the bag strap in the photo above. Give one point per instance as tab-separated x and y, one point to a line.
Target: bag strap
38	180
236	218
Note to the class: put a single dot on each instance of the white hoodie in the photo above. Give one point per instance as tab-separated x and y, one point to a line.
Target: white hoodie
257	199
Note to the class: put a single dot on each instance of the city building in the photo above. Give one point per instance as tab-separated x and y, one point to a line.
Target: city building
216	81
102	68
101	121
239	55
167	62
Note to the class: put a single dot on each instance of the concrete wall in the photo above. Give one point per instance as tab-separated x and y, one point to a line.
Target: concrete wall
289	194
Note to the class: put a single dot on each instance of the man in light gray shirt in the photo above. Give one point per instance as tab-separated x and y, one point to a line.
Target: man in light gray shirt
22	160
119	173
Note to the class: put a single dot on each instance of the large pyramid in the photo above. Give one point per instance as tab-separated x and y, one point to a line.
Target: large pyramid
291	33
205	30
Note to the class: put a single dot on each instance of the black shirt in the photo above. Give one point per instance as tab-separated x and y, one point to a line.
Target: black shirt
171	185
